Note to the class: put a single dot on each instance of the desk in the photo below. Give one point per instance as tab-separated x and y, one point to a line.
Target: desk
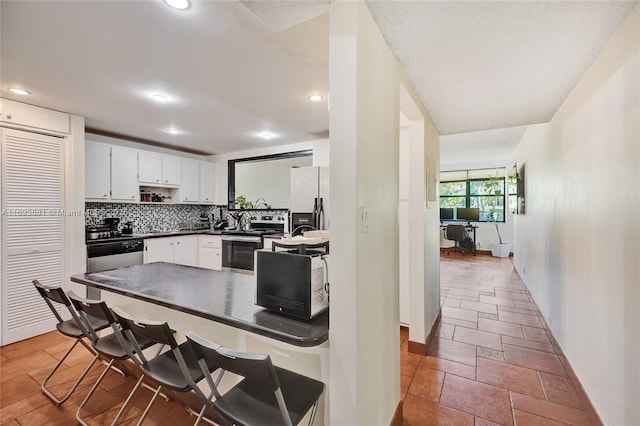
468	227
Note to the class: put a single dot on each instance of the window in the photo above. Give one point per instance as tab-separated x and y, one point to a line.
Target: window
483	189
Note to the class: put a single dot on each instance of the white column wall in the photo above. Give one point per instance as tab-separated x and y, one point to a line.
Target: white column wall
578	245
364	127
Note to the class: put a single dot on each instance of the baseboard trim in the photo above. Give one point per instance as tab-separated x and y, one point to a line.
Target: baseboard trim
419	348
396	420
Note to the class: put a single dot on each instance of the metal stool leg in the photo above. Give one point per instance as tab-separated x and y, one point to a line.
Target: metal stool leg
50	394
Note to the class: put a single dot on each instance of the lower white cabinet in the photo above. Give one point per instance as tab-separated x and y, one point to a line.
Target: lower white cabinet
210	252
182	250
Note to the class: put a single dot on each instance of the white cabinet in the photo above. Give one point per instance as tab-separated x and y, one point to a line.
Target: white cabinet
171	170
210	252
97	170
158	250
19	114
186	250
124	185
207	187
159	169
182	250
150	167
190	186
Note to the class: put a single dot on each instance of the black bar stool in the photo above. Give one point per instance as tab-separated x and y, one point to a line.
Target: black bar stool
176	369
267	395
72	328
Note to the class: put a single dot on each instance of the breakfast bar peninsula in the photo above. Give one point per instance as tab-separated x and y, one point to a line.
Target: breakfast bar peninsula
218	305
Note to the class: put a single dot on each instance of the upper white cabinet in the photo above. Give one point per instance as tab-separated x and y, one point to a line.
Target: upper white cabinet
97	170
207	187
25	115
190	185
150	167
118	173
171	170
124	184
110	173
159	169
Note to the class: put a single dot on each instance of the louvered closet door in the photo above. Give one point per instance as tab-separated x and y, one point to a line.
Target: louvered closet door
32	230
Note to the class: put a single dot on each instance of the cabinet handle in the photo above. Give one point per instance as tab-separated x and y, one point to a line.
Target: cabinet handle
104	196
133	197
178	243
157	180
166	181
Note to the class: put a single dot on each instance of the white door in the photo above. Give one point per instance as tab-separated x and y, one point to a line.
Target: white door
97	170
304	189
32	230
159	250
124	181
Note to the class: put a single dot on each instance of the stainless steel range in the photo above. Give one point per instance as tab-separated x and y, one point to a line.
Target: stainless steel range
238	246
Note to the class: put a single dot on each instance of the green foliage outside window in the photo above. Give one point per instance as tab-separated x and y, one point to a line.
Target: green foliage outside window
485	194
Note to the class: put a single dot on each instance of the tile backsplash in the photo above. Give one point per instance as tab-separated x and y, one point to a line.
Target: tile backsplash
149	217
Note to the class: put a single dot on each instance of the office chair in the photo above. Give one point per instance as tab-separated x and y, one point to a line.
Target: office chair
267	395
457	234
72	328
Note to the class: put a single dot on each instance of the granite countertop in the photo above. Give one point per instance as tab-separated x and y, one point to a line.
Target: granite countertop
221	296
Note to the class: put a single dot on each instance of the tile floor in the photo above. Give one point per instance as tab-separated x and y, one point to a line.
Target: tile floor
492	361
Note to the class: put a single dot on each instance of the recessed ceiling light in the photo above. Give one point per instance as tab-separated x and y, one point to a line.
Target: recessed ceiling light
315	98
159	98
267	135
173	131
179	4
19	91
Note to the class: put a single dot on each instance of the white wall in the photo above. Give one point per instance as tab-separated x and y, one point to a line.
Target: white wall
419	252
578	245
320	150
364	333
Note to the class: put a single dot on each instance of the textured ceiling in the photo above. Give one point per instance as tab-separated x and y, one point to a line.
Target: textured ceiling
485	65
486	148
233	69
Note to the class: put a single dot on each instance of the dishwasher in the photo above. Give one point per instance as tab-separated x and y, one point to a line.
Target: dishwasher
111	255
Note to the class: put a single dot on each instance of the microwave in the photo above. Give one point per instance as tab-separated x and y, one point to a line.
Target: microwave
292	284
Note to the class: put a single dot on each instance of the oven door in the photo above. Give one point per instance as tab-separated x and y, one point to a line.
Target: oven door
237	251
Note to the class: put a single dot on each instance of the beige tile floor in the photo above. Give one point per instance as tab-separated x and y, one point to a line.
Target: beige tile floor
493	360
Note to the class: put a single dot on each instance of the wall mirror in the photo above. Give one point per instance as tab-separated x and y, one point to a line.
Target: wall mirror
265	181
